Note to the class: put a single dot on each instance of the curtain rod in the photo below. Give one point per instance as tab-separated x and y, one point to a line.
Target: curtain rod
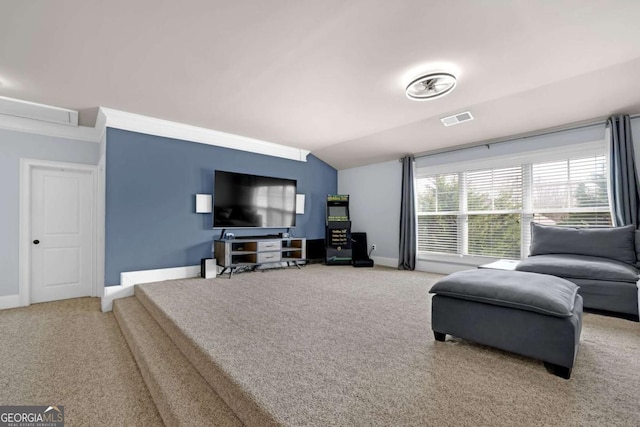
489	142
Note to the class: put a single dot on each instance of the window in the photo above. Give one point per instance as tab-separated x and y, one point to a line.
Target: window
572	193
438	195
488	212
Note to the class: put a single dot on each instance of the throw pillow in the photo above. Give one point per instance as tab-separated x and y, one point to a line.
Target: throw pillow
616	243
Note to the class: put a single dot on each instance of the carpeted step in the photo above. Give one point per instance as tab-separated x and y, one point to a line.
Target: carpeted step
181	394
246	408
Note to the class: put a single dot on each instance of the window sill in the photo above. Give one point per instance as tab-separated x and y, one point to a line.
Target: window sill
447	264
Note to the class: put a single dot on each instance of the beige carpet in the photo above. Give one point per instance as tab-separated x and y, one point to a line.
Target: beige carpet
70	353
343	346
181	395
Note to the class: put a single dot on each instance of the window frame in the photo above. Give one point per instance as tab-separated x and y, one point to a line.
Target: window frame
527	212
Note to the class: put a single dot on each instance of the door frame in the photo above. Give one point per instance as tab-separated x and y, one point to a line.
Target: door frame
24	272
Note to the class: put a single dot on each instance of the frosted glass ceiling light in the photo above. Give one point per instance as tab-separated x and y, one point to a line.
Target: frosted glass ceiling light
431	86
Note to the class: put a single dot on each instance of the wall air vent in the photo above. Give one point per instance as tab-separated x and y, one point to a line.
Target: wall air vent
31	110
457	118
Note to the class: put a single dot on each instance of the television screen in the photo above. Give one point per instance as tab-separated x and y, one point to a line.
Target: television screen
338	211
242	200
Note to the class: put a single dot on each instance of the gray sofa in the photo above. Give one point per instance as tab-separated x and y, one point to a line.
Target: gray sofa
603	262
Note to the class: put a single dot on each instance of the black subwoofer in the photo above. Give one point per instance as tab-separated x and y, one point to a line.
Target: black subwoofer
315	250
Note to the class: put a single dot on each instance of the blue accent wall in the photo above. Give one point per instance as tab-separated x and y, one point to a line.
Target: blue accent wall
151	183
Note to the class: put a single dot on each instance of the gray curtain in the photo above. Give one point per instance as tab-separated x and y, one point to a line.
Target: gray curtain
407	257
623	178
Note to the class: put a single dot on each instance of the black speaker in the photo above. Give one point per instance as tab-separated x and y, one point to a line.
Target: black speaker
360	253
315	250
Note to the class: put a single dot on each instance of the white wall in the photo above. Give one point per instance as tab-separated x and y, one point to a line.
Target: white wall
13	146
374	205
375	193
518	146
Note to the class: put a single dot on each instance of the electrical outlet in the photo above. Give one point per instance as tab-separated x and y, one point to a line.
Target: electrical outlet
373	247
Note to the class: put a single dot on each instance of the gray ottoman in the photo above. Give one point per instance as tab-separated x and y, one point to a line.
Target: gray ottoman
535	315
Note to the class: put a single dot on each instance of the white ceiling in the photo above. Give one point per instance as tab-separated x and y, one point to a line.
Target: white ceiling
328	76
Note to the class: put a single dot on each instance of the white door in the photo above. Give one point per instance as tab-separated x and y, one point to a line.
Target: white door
61	233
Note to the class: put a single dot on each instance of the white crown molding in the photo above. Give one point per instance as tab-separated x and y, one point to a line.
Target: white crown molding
101	126
42	112
152	126
108	117
38	127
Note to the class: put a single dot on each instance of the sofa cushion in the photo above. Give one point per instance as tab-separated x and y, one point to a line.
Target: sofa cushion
616	243
619	297
539	293
580	267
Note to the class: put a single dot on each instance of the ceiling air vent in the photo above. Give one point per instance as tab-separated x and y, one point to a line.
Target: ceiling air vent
457	118
31	110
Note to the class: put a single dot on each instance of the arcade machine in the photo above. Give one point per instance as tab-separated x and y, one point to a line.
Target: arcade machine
338	230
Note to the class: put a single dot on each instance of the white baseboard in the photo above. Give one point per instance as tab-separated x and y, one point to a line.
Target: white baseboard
129	279
385	261
10	301
440	267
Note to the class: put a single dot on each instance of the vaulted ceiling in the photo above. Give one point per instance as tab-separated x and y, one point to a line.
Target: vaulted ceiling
328	76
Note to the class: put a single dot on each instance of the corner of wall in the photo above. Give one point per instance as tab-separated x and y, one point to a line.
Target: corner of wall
129	279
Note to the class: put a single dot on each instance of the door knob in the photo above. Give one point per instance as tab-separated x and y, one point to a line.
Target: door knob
35	242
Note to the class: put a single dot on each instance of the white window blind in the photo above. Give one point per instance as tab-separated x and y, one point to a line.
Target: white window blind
488	212
494	201
440	196
571	192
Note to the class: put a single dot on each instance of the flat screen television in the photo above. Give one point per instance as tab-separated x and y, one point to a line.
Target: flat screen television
243	200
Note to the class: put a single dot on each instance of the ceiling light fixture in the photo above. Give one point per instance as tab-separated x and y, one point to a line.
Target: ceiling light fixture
431	86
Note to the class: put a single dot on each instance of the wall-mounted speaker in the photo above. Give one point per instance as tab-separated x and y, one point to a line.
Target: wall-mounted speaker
203	203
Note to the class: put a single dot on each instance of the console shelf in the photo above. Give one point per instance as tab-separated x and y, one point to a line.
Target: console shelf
253	252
